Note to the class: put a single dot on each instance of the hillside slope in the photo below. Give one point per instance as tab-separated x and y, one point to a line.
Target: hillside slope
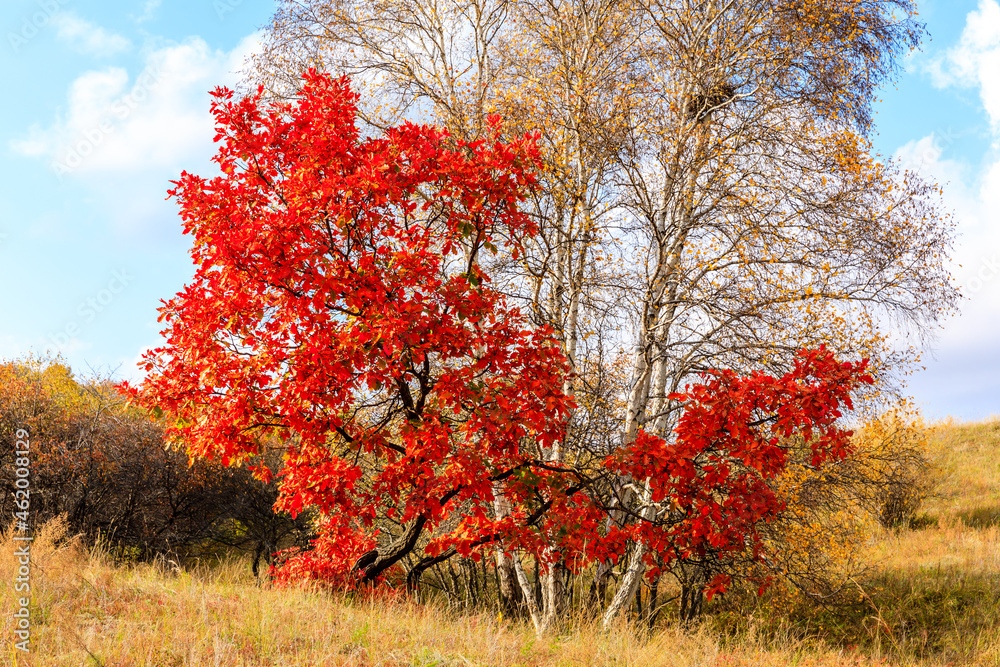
935	599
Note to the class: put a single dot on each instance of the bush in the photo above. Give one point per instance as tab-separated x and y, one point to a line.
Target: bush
106	467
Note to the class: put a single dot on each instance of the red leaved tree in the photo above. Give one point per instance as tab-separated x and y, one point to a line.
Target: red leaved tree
338	302
706	491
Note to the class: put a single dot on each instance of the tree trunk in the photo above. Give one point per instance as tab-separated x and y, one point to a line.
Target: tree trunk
537	586
256	559
636	564
599	586
508	591
653	609
376	561
692	597
553	594
630	581
529	597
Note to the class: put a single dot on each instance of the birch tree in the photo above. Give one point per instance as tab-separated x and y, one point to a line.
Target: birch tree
768	224
455	63
709	183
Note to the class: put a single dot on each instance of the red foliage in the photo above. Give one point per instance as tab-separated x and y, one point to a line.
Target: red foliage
712	477
338	301
338	298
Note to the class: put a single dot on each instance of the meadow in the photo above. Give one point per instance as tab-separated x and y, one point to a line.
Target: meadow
932	598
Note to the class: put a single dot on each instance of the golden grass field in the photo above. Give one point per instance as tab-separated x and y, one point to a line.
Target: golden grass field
934	599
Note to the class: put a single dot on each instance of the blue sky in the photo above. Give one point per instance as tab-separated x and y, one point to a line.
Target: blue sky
107	101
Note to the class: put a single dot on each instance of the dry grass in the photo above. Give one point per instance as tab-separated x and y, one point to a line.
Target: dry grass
968	458
962	519
88	612
935	602
950	545
936	595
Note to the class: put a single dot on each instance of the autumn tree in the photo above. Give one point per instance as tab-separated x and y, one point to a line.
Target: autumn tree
708	185
766	222
554	71
339	304
708	492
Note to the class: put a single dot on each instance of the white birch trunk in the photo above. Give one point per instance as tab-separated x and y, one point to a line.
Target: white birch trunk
529	597
635	569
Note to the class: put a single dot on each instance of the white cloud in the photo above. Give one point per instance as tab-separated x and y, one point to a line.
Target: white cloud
115	122
962	376
86	37
975	195
925	157
125	135
972	194
974	199
975	60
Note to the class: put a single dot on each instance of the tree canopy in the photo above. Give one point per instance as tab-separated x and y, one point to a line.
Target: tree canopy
340	304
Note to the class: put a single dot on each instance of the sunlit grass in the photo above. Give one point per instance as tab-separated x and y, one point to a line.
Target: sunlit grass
968	458
935	595
87	611
934	601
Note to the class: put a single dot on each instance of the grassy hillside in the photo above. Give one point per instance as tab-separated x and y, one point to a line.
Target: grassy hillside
934	600
89	612
934	594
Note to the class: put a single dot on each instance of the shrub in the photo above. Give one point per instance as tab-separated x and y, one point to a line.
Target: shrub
106	468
